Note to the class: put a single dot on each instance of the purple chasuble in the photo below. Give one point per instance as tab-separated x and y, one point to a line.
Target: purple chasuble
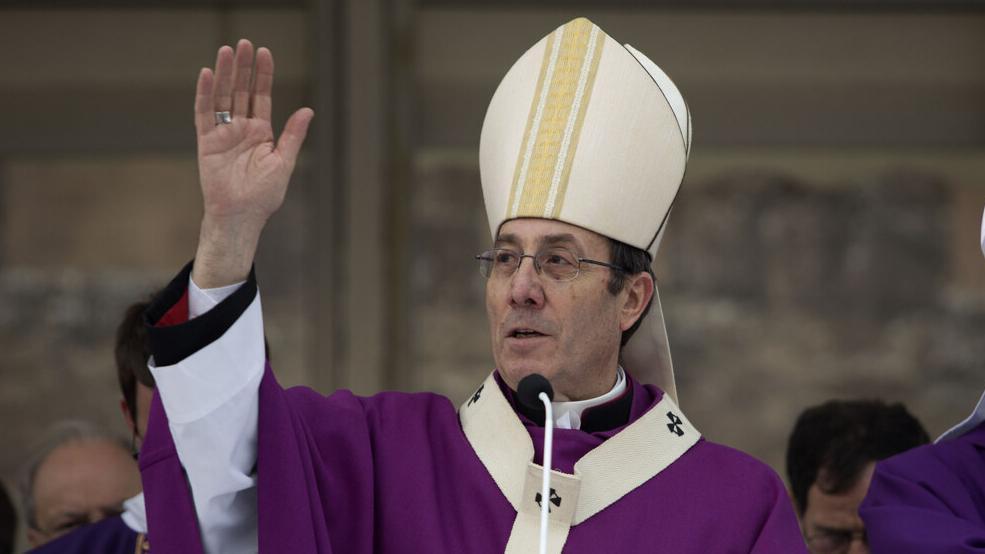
929	500
395	473
108	536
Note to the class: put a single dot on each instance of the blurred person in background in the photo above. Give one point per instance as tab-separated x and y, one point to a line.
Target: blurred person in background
8	522
79	475
136	382
125	532
831	454
932	499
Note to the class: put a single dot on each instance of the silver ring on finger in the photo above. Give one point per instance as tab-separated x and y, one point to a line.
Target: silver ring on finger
223	118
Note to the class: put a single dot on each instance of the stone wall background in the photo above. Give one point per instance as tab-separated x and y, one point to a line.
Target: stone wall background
824	244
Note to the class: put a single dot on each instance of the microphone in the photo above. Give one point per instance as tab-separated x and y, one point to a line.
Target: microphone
532	389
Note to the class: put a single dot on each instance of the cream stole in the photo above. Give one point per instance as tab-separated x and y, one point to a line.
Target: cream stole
603	476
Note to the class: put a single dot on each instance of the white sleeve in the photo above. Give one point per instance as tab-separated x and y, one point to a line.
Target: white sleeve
211	399
203	300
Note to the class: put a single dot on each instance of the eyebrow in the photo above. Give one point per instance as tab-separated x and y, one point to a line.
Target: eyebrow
505	239
65	520
111	510
548	240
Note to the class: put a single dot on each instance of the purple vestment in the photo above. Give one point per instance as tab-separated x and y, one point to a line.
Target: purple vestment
109	536
395	473
929	500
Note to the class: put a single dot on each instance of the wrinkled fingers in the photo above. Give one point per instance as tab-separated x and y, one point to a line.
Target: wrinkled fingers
242	70
204	105
222	84
263	84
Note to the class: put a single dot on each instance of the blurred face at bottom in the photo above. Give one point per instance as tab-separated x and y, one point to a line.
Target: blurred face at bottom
80	482
831	522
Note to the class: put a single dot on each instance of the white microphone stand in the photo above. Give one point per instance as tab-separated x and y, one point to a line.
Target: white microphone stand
545	489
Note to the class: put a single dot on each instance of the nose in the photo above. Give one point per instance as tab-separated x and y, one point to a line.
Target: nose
526	288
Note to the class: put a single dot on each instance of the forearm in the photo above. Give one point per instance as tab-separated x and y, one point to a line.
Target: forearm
226	249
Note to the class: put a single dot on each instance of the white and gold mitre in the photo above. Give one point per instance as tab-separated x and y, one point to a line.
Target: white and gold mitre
587	131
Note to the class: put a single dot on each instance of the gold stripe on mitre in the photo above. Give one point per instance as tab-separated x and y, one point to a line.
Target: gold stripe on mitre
557	111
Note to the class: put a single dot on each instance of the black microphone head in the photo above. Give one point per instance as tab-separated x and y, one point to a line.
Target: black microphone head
530	388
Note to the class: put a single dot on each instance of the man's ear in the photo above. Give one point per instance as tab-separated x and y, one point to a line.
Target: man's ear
637	295
128	416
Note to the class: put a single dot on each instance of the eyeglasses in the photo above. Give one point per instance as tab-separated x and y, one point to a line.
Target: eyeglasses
833	541
558	264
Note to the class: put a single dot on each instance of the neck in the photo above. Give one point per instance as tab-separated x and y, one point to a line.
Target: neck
609	409
570	392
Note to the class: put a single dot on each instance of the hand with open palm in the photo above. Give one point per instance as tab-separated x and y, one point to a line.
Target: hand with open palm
244	173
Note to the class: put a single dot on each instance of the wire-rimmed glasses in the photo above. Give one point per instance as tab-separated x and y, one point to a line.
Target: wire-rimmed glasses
558	264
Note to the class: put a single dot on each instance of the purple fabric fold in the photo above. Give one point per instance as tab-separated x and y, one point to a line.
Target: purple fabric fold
930	499
171	522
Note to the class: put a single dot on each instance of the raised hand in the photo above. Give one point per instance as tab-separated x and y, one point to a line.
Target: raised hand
244	173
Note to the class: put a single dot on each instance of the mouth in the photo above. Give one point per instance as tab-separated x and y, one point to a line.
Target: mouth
524	333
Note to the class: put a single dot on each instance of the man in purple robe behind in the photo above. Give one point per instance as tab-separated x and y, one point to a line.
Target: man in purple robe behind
832	452
582	153
931	500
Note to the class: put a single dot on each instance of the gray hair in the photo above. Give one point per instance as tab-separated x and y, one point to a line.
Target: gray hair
59	434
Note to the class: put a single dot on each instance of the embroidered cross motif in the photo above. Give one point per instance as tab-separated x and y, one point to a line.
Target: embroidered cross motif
675	424
475	397
555	499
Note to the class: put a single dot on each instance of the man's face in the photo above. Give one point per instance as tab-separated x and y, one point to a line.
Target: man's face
568	331
831	520
81	482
